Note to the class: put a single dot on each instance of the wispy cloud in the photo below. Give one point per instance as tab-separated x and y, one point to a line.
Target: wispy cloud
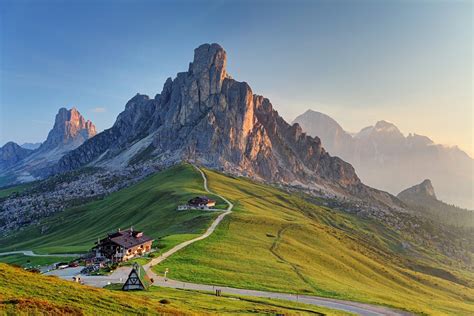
99	110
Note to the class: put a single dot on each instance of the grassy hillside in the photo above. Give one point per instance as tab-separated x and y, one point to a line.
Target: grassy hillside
149	206
279	242
6	191
32	262
273	240
26	293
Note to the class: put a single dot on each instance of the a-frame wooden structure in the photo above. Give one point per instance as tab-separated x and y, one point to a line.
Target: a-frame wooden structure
137	279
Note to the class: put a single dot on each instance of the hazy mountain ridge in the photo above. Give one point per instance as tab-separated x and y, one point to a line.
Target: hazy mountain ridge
386	159
11	153
206	116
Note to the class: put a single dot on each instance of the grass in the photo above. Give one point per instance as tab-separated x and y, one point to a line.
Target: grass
272	241
27	293
7	191
149	206
28	261
279	242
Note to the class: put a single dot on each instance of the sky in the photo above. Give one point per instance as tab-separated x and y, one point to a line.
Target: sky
407	62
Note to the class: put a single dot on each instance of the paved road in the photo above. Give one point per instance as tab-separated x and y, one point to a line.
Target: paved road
208	232
120	275
32	254
348	306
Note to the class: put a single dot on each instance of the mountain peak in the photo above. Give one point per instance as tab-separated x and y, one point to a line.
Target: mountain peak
209	57
423	190
385	126
11	153
70	130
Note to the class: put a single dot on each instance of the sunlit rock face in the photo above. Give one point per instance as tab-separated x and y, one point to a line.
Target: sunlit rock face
206	116
70	130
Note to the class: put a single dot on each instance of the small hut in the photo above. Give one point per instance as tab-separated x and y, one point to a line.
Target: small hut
137	279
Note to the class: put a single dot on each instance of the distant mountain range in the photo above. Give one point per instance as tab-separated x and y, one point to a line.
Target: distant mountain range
384	158
18	164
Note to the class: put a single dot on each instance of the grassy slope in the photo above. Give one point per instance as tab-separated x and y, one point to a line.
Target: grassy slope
27	261
279	242
149	206
26	293
4	192
272	241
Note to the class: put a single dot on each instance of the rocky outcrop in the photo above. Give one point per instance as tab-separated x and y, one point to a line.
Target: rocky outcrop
11	153
422	190
334	138
422	199
206	116
69	131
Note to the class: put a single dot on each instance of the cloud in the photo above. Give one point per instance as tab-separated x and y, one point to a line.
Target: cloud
99	110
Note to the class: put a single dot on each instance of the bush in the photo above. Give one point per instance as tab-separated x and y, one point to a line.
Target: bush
164	301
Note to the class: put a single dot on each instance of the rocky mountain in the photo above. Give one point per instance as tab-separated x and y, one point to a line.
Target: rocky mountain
384	158
70	130
334	138
205	116
11	153
422	198
420	191
31	146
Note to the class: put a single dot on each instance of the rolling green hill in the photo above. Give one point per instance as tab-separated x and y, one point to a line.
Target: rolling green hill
273	240
149	206
26	293
280	242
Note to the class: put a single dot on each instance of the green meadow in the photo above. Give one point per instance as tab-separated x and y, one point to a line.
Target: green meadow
149	206
26	293
272	241
6	191
280	242
32	262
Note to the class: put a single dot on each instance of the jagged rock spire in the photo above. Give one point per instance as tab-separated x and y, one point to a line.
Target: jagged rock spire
70	129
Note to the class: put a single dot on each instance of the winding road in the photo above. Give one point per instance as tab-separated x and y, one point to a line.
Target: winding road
120	274
208	232
348	306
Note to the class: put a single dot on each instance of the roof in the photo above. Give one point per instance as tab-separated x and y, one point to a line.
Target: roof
201	200
142	276
129	238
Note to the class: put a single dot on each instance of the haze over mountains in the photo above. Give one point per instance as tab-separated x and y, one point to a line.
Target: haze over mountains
386	159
